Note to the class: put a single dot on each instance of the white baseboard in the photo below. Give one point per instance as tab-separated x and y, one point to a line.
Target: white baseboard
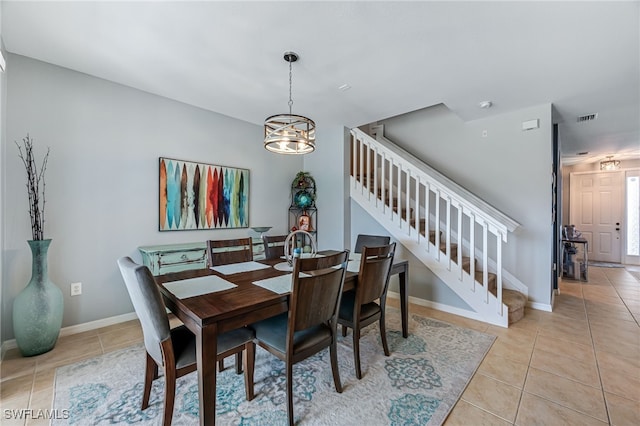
540	306
462	312
78	328
439	306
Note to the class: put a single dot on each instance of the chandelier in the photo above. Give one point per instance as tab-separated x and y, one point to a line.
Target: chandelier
609	164
289	133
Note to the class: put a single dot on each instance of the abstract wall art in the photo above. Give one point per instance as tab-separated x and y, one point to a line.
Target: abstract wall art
202	196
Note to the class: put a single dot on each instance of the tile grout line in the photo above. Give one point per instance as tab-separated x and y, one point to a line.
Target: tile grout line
595	354
524	383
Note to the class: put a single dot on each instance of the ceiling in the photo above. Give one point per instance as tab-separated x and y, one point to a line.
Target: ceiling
397	57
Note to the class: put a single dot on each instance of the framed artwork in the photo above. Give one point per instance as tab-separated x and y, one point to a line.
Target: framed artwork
202	196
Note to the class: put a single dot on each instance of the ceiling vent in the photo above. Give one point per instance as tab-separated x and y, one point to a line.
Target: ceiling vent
588	117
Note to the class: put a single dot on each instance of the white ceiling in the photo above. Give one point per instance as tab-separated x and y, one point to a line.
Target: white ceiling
584	57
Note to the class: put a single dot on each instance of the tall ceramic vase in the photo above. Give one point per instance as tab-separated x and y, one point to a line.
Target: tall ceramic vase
37	310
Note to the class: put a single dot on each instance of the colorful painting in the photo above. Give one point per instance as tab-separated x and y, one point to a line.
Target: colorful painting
202	196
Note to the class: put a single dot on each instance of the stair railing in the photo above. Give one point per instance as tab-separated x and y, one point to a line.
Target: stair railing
417	199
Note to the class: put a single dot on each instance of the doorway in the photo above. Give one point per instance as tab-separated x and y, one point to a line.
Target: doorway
632	218
597	210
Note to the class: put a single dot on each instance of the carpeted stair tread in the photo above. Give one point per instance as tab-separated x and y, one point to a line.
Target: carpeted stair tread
516	302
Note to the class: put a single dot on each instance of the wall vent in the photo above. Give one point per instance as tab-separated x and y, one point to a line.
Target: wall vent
588	117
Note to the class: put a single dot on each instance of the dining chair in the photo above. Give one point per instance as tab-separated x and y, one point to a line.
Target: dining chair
174	349
310	325
358	308
370	241
224	252
273	246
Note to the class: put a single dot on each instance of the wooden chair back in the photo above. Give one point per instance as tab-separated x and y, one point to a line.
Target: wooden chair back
370	241
316	290
273	246
224	252
375	267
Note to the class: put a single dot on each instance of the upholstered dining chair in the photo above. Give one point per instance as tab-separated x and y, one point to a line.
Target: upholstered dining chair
174	350
310	324
358	308
370	241
273	246
224	252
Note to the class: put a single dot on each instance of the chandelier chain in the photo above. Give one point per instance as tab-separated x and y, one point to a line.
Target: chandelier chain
290	80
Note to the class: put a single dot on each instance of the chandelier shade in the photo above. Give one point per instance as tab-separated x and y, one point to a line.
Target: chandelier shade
289	133
609	164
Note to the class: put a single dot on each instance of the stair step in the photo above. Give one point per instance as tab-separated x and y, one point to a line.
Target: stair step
516	302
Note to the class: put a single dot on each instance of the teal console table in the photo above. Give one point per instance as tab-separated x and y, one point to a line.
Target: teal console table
162	259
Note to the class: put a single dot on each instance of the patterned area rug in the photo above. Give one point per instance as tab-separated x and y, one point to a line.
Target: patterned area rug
417	385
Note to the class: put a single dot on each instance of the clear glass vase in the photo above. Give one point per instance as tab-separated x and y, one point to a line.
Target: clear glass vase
38	308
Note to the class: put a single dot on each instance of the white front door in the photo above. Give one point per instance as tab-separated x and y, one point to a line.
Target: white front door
596	208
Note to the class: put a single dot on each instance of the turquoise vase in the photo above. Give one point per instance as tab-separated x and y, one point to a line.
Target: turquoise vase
37	310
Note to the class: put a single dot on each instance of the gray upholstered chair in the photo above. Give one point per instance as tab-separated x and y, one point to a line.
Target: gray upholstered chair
370	241
273	246
358	308
310	325
174	349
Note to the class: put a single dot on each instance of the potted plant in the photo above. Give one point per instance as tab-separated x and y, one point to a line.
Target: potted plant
37	310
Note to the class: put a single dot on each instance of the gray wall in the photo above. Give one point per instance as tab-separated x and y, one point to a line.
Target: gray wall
102	179
510	169
328	165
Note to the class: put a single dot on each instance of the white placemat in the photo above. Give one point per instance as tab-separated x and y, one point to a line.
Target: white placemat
305	256
353	266
280	284
235	268
354	262
197	286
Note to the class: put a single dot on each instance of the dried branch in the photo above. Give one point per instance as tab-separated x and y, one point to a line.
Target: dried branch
35	186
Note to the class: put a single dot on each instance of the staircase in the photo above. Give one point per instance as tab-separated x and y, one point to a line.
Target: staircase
458	236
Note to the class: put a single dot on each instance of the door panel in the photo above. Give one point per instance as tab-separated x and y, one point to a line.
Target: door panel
596	210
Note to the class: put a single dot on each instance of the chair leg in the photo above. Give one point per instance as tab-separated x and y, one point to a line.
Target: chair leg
344	330
221	364
249	362
239	363
290	392
356	352
150	373
383	335
169	394
333	352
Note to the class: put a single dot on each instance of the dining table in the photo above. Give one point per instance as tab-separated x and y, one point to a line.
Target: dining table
215	300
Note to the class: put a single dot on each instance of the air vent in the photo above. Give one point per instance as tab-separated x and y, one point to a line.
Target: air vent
588	117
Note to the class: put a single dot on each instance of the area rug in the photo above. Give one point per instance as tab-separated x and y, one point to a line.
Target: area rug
417	385
605	264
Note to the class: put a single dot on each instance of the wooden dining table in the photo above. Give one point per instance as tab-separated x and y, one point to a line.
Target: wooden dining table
210	314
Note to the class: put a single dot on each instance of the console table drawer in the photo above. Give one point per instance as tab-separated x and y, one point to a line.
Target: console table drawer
174	257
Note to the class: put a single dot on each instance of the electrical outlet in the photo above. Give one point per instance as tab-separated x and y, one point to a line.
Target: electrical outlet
76	289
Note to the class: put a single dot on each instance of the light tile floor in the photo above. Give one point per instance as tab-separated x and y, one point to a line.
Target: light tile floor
579	365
